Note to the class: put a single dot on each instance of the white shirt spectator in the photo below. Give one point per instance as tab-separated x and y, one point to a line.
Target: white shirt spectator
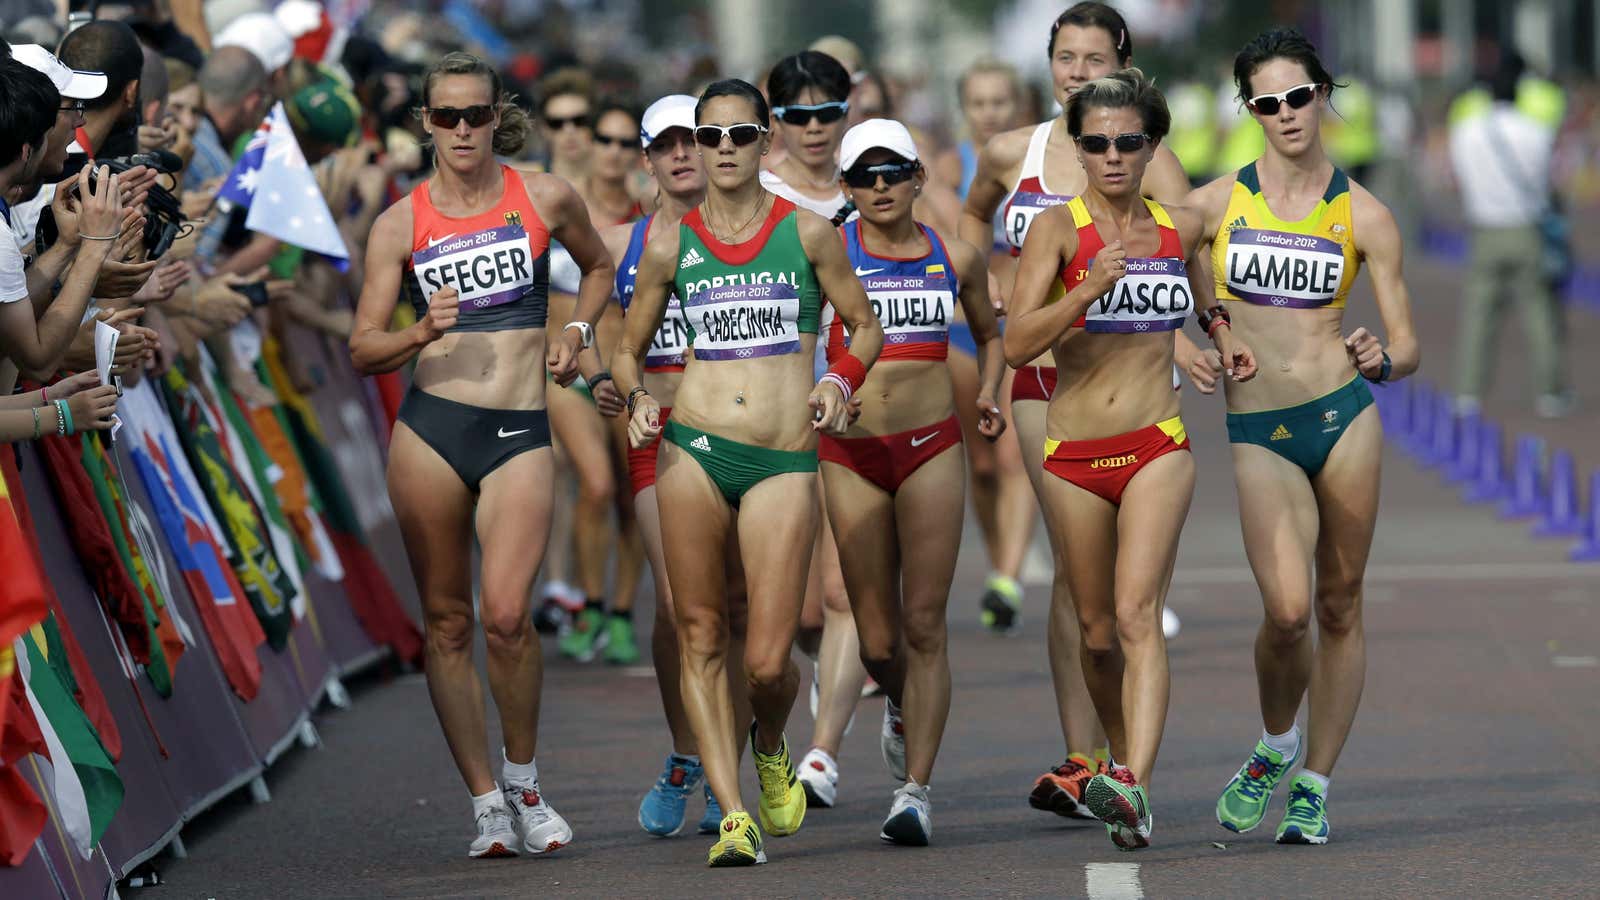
1502	167
13	276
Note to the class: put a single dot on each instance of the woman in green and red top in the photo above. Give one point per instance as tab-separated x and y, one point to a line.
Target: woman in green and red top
737	470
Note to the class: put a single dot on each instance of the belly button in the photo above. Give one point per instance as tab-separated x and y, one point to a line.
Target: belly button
739	399
1284	366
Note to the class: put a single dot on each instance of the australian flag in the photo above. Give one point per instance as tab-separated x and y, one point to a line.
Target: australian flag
273	181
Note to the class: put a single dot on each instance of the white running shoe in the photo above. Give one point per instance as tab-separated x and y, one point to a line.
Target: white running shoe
542	828
892	741
496	835
910	821
1169	623
819	775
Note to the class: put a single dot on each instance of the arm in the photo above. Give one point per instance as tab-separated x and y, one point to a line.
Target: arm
651	288
568	219
988	188
1164	179
1378	241
373	347
1235	355
1210	201
252	256
973	271
1034	326
829	401
46	268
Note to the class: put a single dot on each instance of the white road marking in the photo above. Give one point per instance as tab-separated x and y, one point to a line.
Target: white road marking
1575	662
1410	573
1113	881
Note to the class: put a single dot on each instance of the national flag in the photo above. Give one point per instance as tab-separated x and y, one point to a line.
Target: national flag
22	596
22	813
240	185
283	196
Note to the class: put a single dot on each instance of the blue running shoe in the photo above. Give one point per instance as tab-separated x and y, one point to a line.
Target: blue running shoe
712	820
661	812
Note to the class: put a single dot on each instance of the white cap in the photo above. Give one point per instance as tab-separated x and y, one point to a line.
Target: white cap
261	34
298	17
885	133
72	84
671	111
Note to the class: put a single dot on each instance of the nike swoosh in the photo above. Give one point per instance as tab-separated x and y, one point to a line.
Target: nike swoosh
632	271
504	433
860	272
435	243
918	442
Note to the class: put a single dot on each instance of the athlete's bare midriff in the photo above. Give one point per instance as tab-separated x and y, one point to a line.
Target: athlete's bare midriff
491	369
1300	352
902	394
1111	384
759	401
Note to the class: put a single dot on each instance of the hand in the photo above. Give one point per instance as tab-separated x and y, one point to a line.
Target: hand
995	300
100	215
197	203
1241	362
168	275
92	409
129	245
65	206
444	309
1365	352
154	137
561	357
644	425
829	411
217	304
121	280
990	423
1204	370
1108	267
855	409
136	184
606	398
138	344
67	387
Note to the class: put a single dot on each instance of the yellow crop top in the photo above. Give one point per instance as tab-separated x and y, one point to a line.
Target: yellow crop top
1261	259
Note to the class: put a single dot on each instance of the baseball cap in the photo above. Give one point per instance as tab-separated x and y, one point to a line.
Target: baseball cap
71	83
885	133
261	34
671	111
326	112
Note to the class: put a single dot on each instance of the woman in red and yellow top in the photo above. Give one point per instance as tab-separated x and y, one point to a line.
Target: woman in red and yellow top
1101	282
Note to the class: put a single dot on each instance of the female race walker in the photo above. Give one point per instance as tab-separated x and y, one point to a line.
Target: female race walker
894	483
1286	235
470	452
738	462
1101	283
667	134
1039	167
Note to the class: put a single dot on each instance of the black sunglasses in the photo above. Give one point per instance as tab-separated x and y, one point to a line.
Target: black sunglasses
449	116
824	113
742	135
76	106
612	140
1296	97
556	124
891	173
1132	142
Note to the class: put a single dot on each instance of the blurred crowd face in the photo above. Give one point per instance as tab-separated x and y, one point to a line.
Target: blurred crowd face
1081	55
813	144
616	136
730	167
567	122
185	105
672	161
53	155
866	102
1113	173
990	105
1291	131
463	148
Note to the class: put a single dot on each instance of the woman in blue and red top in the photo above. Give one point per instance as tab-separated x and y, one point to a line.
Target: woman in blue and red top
471	450
1101	283
895	481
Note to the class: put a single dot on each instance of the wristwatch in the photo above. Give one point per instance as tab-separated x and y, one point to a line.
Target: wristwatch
585	333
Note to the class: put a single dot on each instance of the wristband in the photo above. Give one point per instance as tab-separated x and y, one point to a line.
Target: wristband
848	374
67	412
61	417
44	398
633	397
600	376
1383	373
1209	319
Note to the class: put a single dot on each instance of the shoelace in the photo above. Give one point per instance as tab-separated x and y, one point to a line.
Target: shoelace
1124	775
1257	770
494	818
1070	768
774	777
1304	803
529	804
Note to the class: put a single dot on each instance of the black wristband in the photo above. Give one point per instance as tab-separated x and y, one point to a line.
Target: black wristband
633	396
600	376
1208	318
1383	373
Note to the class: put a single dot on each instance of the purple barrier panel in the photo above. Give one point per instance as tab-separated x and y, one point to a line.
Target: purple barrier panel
54	868
274	714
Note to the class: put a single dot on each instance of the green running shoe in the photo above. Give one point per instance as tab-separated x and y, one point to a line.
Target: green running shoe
1120	802
1306	821
621	648
1244	800
1000	608
588	635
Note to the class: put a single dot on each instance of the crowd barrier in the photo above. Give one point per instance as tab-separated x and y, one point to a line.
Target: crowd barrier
212	728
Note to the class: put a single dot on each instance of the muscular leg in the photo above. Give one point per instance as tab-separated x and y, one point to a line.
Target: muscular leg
664	636
577	425
630	548
434	510
862	517
839	668
1347	496
513	525
1016	508
982	462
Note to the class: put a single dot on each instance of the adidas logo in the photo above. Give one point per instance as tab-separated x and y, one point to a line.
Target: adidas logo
1238	223
692	258
1281	434
704	446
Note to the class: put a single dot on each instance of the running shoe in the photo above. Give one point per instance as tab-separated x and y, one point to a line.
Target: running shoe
1001	605
1170	624
1306	820
1244	800
661	812
910	821
1120	802
550	616
713	817
738	843
869	688
497	837
892	740
621	647
1060	790
819	776
542	828
588	635
783	800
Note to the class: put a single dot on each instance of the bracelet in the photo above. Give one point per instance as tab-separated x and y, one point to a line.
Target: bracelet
633	396
602	375
36	423
66	410
99	237
1211	318
1383	373
61	418
44	398
848	374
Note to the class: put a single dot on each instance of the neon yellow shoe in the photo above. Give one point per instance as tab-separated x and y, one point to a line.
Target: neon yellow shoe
783	800
738	843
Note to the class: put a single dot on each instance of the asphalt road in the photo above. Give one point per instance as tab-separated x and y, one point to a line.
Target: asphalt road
1471	770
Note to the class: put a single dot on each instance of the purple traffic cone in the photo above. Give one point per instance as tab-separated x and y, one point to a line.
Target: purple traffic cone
1563	516
1420	437
1588	550
1465	466
1489	486
1525	499
1441	450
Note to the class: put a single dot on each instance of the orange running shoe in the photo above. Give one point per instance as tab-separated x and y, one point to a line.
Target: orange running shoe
1060	790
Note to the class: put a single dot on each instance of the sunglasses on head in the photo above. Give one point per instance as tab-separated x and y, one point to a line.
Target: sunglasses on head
449	116
1296	97
1132	142
891	173
557	123
824	113
742	135
613	140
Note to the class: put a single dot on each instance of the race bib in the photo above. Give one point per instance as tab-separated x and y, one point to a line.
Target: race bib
1274	268
666	349
1153	295
487	268
913	309
743	321
1023	208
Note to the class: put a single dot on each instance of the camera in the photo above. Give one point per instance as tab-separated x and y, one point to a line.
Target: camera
163	211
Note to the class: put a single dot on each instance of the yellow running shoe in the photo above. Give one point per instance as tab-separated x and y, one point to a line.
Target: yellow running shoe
738	843
783	800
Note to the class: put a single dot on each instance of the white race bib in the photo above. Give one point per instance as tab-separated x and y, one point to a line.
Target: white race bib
1276	268
1153	295
743	321
487	268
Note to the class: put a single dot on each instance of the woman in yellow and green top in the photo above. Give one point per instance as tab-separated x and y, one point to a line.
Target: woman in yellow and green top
737	470
1288	233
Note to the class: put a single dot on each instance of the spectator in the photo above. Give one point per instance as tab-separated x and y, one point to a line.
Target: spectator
261	34
1501	157
111	121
